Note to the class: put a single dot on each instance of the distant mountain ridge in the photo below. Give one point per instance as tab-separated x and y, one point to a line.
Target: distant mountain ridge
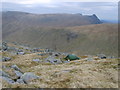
53	20
13	21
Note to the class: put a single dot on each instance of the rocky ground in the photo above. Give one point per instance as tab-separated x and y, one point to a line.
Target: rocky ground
25	67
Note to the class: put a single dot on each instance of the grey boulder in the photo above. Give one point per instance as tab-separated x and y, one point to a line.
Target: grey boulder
28	77
9	80
4	74
6	59
18	73
15	67
66	61
102	56
52	60
20	81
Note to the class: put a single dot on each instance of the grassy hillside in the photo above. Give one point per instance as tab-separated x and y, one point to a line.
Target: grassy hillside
14	21
88	39
87	72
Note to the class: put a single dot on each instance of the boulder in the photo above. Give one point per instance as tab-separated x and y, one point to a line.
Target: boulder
66	61
102	56
7	79
20	81
6	59
15	67
4	74
28	77
18	73
4	46
52	60
56	61
56	54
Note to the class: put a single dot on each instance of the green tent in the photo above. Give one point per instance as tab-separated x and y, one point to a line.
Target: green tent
71	57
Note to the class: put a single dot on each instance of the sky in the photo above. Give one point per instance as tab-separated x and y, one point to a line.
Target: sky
104	9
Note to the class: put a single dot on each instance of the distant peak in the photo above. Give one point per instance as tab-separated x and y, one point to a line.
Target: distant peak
94	15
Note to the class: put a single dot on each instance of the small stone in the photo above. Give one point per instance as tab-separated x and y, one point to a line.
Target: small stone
36	60
20	53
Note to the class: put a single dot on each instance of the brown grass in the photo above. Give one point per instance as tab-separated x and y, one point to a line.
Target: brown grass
76	74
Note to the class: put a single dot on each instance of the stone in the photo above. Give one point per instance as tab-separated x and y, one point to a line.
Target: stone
20	81
90	58
20	53
56	61
56	54
102	56
9	80
36	60
4	46
6	59
28	77
15	67
4	74
20	50
52	60
66	61
18	73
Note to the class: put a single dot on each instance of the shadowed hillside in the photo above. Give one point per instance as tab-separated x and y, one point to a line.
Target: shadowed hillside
90	39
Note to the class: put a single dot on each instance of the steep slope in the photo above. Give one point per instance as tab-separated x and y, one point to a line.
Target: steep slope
89	39
14	21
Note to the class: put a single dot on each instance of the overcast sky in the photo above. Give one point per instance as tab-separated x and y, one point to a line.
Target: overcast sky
107	10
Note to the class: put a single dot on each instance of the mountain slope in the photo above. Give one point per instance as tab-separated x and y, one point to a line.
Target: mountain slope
89	39
14	21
